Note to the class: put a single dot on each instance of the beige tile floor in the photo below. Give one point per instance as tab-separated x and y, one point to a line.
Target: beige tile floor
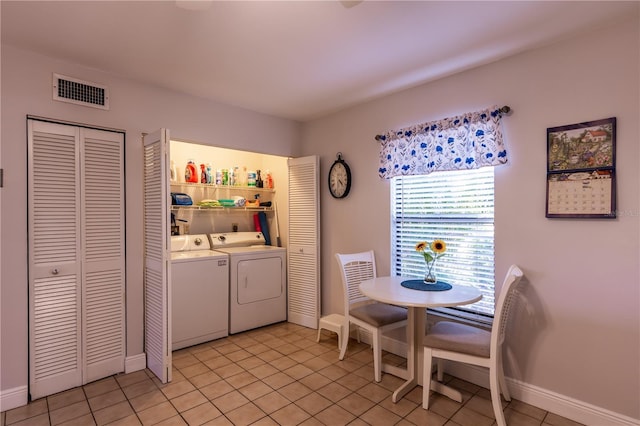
276	375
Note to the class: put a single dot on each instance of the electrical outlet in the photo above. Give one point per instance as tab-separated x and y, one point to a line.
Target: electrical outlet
234	226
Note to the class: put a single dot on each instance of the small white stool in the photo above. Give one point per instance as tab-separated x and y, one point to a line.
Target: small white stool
332	322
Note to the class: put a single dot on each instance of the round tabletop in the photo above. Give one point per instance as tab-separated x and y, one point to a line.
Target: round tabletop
389	290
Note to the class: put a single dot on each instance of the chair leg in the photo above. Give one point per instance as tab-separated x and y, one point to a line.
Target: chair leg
503	382
494	385
426	377
344	342
318	336
377	356
440	370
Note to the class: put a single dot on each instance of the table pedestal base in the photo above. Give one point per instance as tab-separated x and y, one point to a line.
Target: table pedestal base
396	371
416	321
404	389
436	386
445	390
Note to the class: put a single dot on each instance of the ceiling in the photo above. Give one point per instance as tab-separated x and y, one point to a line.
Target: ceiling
294	59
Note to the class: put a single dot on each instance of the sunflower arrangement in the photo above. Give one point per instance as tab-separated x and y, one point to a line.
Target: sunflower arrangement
431	252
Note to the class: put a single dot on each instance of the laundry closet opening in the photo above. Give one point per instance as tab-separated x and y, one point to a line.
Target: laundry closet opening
229	270
267	233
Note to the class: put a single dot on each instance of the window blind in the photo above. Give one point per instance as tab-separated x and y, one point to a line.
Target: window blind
454	206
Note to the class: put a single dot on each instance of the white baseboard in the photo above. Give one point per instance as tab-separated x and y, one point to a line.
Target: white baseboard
553	402
565	406
135	363
17	397
547	400
13	398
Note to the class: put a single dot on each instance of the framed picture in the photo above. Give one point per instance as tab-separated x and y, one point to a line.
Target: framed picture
581	176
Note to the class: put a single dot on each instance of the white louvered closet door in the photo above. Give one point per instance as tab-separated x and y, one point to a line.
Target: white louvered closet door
304	242
103	325
55	346
76	256
157	255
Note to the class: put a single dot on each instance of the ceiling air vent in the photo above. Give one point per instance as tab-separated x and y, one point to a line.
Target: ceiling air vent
72	90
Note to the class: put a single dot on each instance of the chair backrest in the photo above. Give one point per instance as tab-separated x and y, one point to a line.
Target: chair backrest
355	268
505	301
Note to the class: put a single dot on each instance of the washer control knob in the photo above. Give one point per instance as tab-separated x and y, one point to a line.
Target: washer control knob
198	241
222	238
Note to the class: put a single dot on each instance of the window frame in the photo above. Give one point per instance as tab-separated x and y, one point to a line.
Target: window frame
423	206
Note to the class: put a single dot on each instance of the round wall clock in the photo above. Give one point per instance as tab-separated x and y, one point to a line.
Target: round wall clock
339	178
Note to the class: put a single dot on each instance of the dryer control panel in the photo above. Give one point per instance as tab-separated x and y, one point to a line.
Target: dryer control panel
190	242
236	239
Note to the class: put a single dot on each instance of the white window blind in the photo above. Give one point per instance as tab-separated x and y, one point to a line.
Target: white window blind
457	207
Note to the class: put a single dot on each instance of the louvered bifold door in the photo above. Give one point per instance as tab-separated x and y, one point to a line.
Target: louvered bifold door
103	218
157	260
54	259
304	242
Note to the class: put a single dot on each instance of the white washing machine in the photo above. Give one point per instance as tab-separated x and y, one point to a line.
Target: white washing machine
257	280
199	291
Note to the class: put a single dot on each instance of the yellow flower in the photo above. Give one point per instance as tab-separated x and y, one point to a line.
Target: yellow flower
431	251
438	246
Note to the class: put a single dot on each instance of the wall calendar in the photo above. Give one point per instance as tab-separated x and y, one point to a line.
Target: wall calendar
581	179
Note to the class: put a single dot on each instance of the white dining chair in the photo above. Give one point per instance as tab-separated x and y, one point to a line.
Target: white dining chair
363	312
464	343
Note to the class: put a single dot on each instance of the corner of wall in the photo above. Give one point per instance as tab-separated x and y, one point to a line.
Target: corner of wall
135	363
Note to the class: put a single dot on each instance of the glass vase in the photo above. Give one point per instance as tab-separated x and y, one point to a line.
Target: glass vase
430	273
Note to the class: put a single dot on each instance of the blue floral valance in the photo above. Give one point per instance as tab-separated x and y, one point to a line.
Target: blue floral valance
468	141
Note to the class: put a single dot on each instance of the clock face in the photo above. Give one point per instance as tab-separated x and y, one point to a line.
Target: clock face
339	179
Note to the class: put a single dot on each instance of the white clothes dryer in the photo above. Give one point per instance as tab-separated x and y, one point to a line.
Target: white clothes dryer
199	291
257	280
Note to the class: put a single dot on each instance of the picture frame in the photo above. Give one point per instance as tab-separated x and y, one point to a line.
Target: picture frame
581	178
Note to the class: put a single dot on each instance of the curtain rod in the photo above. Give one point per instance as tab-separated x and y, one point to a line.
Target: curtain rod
505	110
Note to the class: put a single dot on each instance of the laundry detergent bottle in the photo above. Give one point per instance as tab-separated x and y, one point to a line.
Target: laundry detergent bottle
210	177
190	172
203	173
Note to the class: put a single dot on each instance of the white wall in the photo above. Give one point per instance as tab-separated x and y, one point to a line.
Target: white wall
135	108
578	335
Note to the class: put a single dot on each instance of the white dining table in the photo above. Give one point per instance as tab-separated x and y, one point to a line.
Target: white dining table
388	289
